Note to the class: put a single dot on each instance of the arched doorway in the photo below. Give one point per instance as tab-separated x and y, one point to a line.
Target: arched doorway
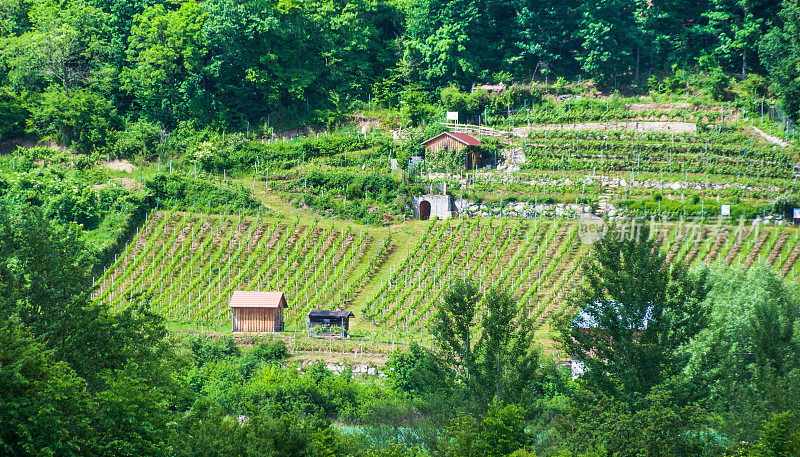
424	210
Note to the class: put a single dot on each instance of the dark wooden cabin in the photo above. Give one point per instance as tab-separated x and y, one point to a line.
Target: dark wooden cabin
321	322
449	141
257	311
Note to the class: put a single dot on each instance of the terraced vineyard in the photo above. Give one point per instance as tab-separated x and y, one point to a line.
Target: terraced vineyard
725	153
189	264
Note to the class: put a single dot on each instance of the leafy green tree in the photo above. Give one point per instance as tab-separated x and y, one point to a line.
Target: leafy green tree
746	361
506	357
635	310
418	371
501	363
544	38
736	27
675	32
780	52
13	17
46	271
66	45
44	406
414	105
134	412
780	436
458	41
165	56
717	84
611	37
453	325
83	119
12	116
655	426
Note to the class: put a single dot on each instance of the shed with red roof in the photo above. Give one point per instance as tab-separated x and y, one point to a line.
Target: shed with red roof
456	142
257	311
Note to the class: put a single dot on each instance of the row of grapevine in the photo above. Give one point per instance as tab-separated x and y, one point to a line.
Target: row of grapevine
188	264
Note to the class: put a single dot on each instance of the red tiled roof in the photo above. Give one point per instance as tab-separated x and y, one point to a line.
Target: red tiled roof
467	139
463	138
251	299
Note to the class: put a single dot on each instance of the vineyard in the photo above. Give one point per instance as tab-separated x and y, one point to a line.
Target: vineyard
188	264
354	247
719	153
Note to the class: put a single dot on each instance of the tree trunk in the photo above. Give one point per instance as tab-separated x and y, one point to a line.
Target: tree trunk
466	356
636	74
744	63
64	78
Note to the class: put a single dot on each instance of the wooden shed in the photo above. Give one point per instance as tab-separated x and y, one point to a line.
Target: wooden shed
448	141
320	322
257	311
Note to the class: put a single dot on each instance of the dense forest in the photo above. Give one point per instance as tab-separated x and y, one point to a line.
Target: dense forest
102	75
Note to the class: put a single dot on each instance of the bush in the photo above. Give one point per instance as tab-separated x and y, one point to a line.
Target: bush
236	153
83	120
12	116
415	105
182	192
417	371
717	84
140	138
206	349
265	352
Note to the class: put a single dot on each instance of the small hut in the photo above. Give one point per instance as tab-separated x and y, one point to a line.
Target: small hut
449	141
257	311
321	322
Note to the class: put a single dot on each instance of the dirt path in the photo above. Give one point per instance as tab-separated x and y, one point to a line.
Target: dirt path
771	138
666	127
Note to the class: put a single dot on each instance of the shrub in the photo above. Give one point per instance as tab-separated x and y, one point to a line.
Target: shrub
12	116
139	138
717	84
206	349
264	352
83	120
192	193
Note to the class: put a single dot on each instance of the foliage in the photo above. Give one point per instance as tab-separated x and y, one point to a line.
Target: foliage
505	354
206	349
453	325
13	113
82	119
635	309
717	84
750	345
140	139
199	194
501	431
418	371
266	352
655	426
780	51
45	406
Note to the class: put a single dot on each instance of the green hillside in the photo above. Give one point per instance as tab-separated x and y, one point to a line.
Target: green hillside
188	264
328	221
